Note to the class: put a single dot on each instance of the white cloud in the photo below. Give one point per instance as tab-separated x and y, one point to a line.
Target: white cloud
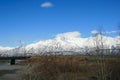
94	31
111	32
74	34
46	5
105	32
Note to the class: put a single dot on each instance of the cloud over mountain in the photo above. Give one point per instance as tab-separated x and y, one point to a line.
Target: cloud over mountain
105	32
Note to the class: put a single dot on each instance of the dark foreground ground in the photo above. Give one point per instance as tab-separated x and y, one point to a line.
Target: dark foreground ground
11	72
63	68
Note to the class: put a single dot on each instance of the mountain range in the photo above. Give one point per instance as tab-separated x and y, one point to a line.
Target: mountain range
70	41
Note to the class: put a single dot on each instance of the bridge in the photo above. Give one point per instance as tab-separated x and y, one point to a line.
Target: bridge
13	58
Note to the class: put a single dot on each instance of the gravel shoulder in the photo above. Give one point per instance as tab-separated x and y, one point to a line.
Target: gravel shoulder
11	72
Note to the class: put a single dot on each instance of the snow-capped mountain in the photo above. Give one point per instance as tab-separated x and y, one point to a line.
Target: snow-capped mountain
5	48
70	41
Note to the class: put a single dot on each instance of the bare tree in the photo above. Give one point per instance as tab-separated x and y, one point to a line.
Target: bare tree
100	55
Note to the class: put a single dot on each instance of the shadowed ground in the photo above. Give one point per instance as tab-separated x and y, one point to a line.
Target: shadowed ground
8	72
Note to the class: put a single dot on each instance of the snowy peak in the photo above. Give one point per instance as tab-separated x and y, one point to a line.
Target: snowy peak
5	48
72	41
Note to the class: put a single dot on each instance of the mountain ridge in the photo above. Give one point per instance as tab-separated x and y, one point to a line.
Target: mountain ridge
71	41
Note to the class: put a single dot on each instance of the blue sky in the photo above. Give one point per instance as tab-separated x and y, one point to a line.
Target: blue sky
28	20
